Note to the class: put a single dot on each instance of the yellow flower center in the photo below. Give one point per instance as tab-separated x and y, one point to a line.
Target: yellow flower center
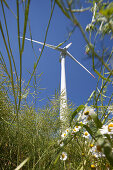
91	145
63	155
83	154
81	123
110	126
64	134
74	130
86	113
92	166
86	133
76	126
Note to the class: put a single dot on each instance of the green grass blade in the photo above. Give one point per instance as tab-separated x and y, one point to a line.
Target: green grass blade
25	25
62	9
22	164
6	4
11	69
9	41
90	97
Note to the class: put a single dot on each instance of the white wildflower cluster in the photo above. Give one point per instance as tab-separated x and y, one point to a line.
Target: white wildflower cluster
64	136
65	133
76	129
70	131
84	117
96	151
63	156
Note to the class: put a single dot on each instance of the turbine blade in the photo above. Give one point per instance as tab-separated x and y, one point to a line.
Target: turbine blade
79	63
67	46
47	45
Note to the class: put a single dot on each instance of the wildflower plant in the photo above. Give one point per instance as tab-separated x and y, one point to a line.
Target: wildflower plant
63	156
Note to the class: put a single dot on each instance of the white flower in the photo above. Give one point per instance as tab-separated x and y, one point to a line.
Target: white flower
97	152
67	130
76	129
63	156
98	155
65	133
86	134
88	111
107	129
60	143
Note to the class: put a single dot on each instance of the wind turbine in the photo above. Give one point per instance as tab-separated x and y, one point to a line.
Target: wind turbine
63	99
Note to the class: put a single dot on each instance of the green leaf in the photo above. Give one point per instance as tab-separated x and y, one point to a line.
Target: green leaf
76	112
107	148
108	11
57	158
96	120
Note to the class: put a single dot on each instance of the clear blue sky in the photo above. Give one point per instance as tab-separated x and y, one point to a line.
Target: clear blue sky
80	84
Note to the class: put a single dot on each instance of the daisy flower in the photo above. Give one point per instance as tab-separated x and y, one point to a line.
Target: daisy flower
107	129
88	111
64	135
60	143
76	129
85	115
67	130
63	156
86	134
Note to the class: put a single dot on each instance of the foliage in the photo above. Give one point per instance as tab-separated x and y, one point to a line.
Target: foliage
31	138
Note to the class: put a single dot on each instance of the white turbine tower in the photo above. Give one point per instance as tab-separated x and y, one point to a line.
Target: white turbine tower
63	99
